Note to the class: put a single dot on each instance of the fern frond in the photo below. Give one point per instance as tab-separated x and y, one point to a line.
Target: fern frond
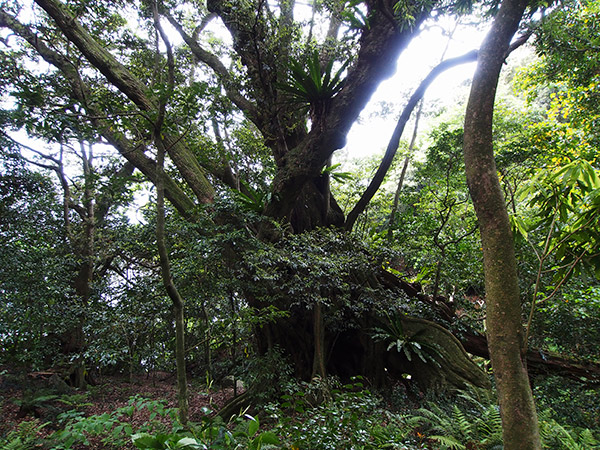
587	439
449	442
462	424
429	415
436	419
490	425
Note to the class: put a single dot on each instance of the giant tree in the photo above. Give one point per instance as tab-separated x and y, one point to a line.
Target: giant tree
278	80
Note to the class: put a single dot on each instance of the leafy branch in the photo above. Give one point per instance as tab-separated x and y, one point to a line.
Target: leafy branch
568	201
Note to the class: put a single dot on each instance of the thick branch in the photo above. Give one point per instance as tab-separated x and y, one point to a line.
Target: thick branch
80	92
100	58
121	78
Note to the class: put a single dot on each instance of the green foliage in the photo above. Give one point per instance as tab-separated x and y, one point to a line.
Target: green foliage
470	421
337	175
30	401
392	332
354	15
406	11
211	433
558	437
112	428
254	440
266	375
218	261
566	77
106	426
567	200
323	414
34	267
164	441
161	430
574	404
346	417
569	41
322	266
436	227
26	436
570	324
312	83
472	425
254	201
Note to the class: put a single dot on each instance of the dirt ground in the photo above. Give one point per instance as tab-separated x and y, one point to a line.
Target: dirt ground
109	394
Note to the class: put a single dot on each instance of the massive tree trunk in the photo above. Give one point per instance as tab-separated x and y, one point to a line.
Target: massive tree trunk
504	328
336	337
316	207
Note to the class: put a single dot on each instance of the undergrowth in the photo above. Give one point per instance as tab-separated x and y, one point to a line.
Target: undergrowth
324	414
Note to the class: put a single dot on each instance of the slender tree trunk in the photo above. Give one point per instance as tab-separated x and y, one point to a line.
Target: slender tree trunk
182	394
392	221
504	328
165	265
82	282
319	342
438	273
233	340
207	339
178	306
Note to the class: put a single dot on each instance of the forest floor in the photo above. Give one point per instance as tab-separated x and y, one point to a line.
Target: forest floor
20	404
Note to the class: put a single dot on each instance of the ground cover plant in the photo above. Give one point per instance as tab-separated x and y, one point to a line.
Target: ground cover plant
322	414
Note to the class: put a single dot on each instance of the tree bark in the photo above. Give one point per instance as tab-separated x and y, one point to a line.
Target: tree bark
178	306
539	362
319	342
165	265
504	328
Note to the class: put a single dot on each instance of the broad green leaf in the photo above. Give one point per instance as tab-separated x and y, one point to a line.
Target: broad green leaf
145	440
253	426
188	442
270	438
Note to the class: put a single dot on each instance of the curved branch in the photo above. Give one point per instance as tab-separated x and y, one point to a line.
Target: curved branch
219	68
205	21
521	40
392	147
